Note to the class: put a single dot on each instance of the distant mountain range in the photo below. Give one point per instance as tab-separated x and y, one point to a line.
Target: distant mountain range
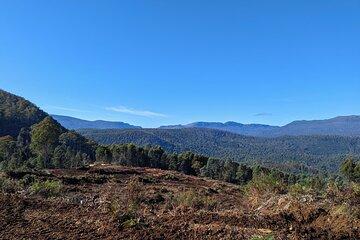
257	130
341	126
76	123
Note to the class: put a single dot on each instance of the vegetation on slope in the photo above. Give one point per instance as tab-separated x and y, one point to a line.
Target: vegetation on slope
321	152
117	202
29	138
16	113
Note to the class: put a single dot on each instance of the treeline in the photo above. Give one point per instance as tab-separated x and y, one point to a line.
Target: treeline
187	163
219	169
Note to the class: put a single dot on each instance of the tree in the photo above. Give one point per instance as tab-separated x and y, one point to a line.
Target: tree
118	153
44	139
155	157
6	150
356	173
229	171
78	160
244	174
347	168
24	138
59	157
185	163
213	168
173	162
198	162
132	156
103	154
23	144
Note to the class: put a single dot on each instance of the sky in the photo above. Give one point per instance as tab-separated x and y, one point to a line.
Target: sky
153	62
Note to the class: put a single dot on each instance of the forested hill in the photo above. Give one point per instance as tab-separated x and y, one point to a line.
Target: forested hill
30	138
16	113
317	151
76	123
341	126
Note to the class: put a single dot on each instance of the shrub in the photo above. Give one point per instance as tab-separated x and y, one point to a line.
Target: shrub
8	186
312	185
49	188
192	199
266	183
27	180
125	209
133	193
355	187
299	189
170	177
268	237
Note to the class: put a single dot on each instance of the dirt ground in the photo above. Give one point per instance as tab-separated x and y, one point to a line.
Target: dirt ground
116	202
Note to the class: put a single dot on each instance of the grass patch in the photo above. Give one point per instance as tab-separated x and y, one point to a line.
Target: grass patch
267	237
125	208
49	188
193	199
265	183
8	186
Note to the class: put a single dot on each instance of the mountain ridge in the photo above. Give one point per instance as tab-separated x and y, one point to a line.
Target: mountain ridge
77	123
340	125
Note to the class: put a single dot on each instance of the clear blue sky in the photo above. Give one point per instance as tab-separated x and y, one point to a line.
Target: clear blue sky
155	62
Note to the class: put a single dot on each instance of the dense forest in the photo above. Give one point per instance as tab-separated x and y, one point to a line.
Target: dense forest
295	152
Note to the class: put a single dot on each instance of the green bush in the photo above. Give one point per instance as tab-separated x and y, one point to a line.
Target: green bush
310	185
268	237
27	180
49	188
299	189
8	186
266	183
194	200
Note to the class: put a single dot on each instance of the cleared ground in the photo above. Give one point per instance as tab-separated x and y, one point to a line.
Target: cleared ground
115	202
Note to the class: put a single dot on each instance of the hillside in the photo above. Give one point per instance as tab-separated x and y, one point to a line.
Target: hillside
76	123
341	126
315	151
116	202
234	127
16	113
30	138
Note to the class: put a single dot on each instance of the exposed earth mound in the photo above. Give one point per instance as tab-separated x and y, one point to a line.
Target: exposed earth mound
116	202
